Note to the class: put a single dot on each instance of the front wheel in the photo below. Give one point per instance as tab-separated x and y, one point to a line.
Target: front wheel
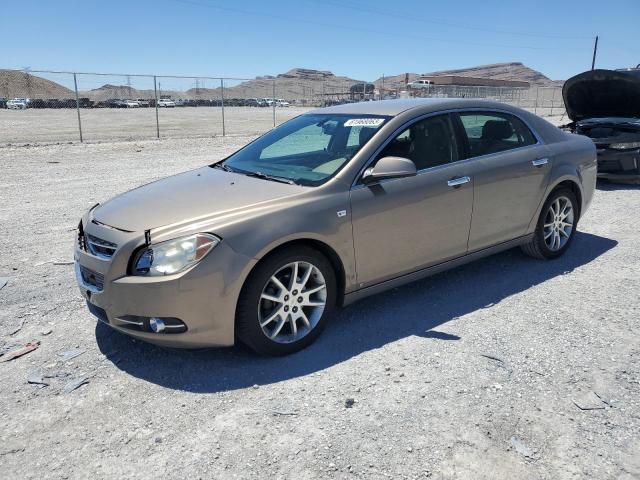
556	226
286	301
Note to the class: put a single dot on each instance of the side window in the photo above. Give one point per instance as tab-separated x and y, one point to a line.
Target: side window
428	143
490	132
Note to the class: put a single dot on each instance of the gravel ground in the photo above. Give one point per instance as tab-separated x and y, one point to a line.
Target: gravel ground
505	368
110	124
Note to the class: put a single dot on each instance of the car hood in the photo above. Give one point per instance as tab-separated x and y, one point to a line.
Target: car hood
191	195
602	93
613	121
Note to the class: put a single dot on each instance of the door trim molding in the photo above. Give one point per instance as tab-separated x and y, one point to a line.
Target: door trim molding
432	270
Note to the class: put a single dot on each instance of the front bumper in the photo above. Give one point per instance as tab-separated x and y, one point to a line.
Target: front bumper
203	297
619	165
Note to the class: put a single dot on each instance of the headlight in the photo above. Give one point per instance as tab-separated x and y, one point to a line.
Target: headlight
173	256
624	146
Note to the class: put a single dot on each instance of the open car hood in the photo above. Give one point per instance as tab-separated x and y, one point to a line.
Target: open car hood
602	93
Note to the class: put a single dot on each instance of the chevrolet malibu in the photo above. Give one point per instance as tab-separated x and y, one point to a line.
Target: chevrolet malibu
326	209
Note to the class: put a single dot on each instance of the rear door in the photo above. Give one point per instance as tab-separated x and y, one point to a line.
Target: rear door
404	224
510	170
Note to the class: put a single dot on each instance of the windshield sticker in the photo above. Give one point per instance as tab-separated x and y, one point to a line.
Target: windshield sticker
364	122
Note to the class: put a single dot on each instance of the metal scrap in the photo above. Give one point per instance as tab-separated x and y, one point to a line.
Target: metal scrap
29	347
36	378
71	354
73	384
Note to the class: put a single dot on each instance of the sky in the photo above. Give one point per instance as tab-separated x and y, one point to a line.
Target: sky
356	38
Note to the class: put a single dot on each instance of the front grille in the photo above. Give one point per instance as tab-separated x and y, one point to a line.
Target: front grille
99	247
609	166
92	278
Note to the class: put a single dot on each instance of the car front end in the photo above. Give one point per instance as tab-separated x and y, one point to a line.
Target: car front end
175	290
605	106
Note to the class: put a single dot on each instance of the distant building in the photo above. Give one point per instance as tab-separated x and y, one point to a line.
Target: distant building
474	81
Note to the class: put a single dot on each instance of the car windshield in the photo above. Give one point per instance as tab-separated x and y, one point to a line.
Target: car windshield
308	149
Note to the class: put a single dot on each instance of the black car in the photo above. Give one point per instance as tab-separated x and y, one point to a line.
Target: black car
605	106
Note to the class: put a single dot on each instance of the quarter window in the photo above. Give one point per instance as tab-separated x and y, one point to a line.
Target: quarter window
490	132
428	143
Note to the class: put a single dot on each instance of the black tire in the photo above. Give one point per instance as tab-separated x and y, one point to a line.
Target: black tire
248	328
537	247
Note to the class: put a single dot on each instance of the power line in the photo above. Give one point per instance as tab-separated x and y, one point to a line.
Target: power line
444	22
356	28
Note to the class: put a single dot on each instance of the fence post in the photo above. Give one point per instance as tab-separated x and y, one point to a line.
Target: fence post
553	99
323	95
273	103
222	98
75	85
535	108
155	92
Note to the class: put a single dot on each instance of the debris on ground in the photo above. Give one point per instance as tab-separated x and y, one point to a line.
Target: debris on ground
590	401
36	378
277	413
73	384
491	357
349	403
18	328
71	354
46	332
521	447
29	347
3	282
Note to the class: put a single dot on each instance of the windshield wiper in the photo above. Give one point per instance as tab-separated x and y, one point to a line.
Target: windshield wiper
273	178
222	166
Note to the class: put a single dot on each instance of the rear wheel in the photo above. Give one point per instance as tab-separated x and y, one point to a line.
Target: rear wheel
286	301
556	226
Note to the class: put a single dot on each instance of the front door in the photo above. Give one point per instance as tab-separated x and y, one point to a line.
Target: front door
404	224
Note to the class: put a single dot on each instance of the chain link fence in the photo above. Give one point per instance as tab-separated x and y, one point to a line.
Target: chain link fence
51	107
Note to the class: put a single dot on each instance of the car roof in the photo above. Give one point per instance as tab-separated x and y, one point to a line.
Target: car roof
395	107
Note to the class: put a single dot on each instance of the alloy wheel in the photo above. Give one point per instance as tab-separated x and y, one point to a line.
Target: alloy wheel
292	302
558	223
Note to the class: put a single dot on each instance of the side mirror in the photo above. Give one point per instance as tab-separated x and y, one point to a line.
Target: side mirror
389	167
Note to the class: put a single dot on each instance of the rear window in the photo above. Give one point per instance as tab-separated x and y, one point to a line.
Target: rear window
493	132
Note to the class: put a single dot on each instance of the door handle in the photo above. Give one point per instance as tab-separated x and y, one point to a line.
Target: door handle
538	162
456	182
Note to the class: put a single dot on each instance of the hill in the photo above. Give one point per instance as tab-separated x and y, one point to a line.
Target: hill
14	83
297	83
498	71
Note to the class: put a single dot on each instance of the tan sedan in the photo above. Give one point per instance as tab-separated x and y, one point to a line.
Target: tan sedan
332	206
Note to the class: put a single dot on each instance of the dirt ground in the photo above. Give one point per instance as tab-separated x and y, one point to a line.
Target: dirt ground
507	368
109	124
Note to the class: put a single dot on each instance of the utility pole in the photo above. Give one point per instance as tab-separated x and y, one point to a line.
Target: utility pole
595	50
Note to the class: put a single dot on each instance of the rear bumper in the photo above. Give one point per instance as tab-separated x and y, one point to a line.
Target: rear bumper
619	165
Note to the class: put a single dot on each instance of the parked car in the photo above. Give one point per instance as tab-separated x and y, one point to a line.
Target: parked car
84	102
3	102
282	103
420	84
143	103
326	209
130	103
166	102
605	106
18	104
